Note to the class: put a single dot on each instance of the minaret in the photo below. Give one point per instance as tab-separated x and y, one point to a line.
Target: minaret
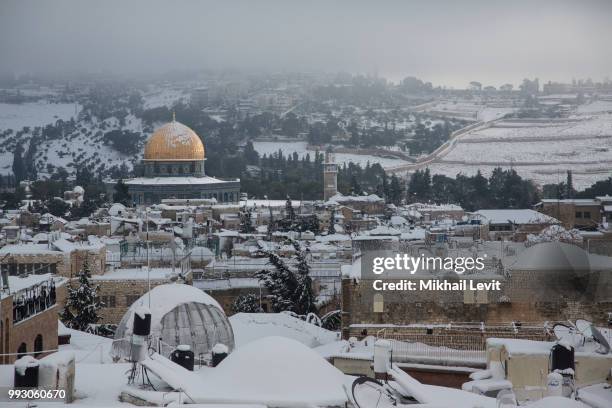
330	177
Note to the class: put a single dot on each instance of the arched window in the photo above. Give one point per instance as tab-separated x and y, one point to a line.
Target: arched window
225	197
38	345
22	350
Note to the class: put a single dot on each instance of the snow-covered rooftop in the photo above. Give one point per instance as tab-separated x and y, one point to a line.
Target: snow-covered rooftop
521	216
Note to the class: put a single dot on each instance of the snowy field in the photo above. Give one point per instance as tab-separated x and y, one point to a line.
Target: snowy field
542	150
164	97
288	148
468	110
85	145
16	116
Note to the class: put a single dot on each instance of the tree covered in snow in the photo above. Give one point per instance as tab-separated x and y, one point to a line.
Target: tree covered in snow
57	207
290	288
246	221
289	212
248	303
82	303
19	168
331	228
305	298
121	193
555	233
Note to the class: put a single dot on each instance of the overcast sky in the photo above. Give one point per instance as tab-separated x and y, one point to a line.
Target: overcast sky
447	42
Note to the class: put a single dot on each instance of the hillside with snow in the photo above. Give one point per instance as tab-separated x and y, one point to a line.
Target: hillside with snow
538	149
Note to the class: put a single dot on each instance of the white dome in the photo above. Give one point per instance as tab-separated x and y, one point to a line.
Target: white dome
78	190
275	371
116	209
553	256
180	314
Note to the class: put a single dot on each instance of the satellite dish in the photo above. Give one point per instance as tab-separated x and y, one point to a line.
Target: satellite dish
370	393
584	327
604	346
562	331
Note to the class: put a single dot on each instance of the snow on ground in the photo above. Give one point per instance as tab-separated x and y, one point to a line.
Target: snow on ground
164	97
539	150
488	113
32	114
275	371
87	348
249	327
596	107
301	148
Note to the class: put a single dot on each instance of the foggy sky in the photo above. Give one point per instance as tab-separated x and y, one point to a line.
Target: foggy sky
447	42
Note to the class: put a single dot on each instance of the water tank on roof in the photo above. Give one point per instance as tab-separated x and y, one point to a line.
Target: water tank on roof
142	324
219	352
26	372
562	357
183	356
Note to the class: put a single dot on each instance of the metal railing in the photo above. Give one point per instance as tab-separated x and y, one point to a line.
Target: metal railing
438	349
453	344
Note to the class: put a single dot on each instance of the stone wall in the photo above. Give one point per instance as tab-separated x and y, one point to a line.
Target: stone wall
522	298
125	292
226	298
67	265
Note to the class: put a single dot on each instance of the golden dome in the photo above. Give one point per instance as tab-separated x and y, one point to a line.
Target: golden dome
174	141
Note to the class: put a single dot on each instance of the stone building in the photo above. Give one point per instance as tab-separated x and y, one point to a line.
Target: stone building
120	288
226	291
585	213
60	257
550	281
28	315
511	224
173	167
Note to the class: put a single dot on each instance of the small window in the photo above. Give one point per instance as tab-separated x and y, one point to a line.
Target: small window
578	214
379	303
586	214
22	350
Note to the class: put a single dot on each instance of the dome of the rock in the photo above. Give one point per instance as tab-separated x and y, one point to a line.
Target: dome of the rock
174	141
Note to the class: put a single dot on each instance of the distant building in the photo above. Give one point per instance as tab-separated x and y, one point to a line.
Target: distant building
585	214
510	224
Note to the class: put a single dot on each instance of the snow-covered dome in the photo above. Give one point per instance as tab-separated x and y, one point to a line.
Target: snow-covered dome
174	141
180	314
116	209
201	252
553	256
275	371
78	190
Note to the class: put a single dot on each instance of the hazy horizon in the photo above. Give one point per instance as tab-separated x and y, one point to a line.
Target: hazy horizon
447	43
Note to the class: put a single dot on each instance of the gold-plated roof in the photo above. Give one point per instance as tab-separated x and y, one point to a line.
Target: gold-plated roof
174	141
